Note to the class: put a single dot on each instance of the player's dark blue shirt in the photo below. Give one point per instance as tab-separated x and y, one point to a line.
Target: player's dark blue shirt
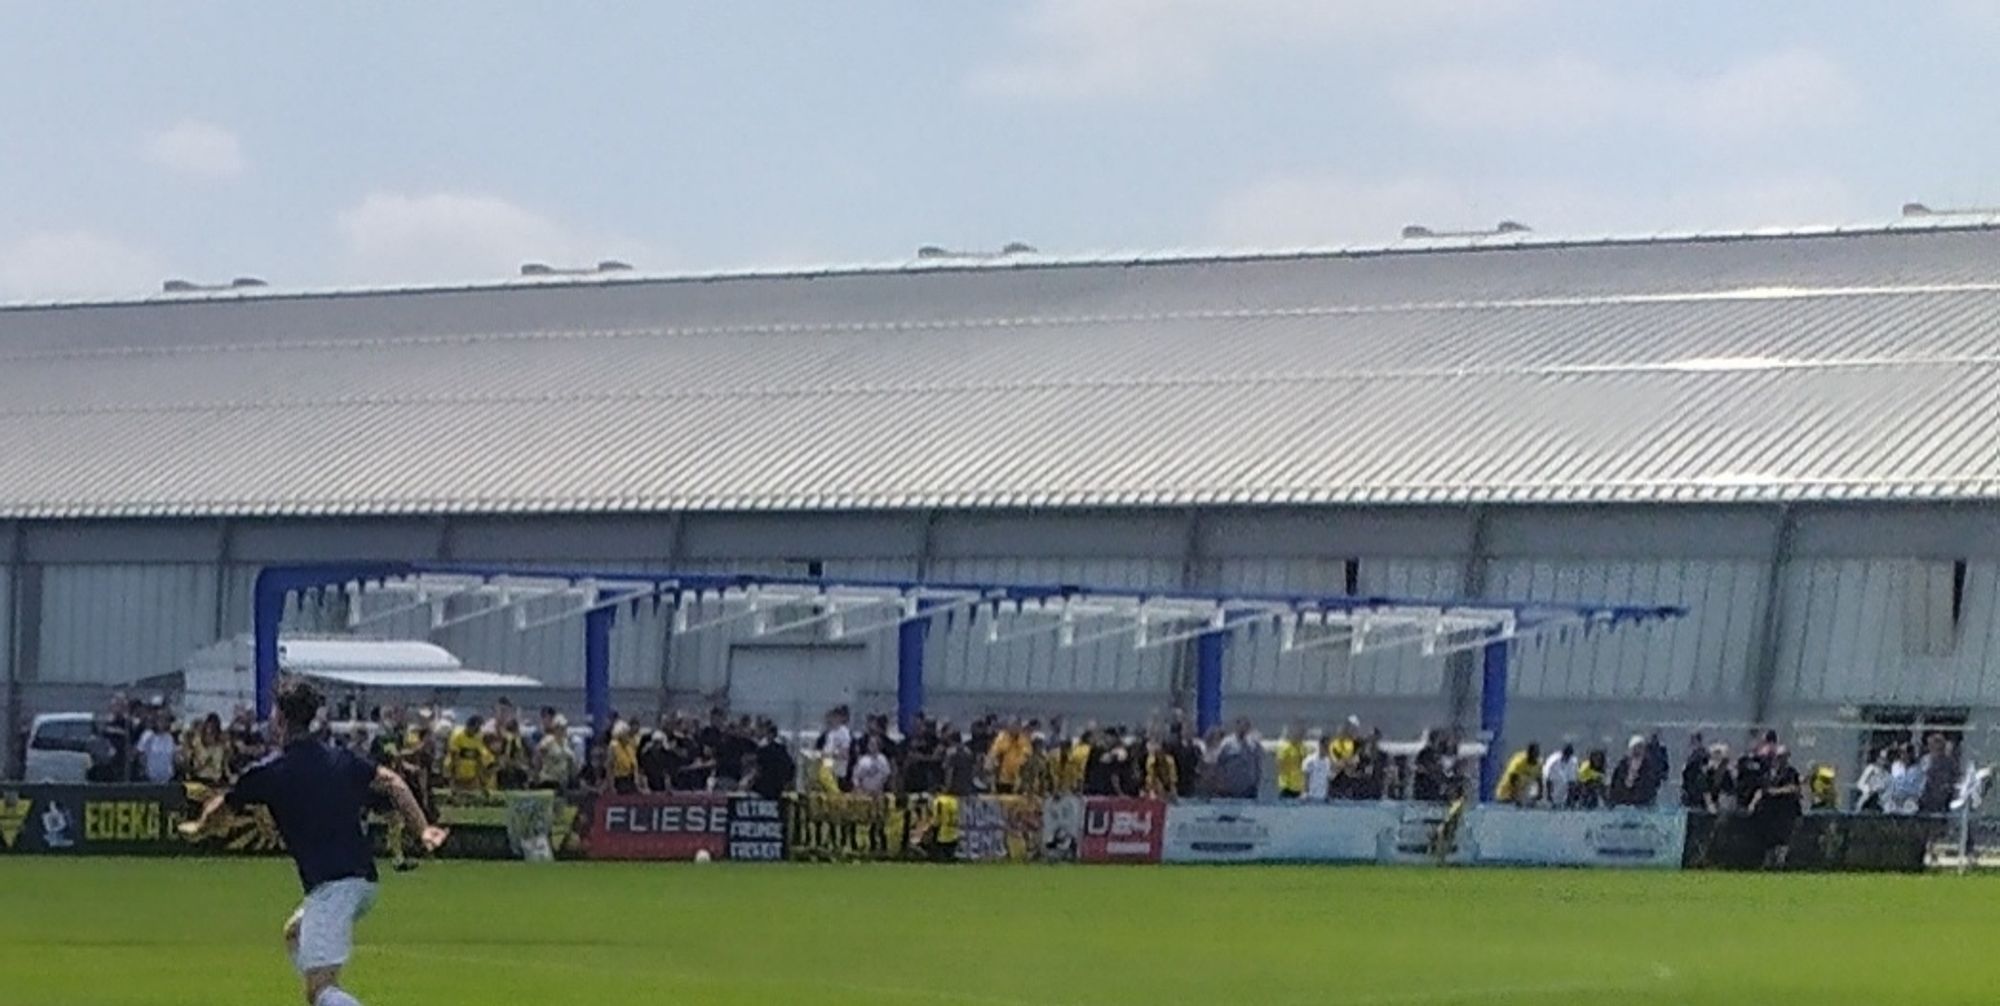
316	793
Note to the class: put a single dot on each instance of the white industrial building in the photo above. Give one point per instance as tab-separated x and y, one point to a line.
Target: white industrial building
1796	436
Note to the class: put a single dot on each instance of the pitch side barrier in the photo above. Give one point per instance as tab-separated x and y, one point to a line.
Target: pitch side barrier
142	820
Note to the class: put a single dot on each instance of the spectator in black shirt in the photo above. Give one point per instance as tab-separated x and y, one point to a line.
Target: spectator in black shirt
1132	766
1941	774
923	765
1101	774
1775	810
1428	780
738	743
960	766
1694	776
709	738
657	762
1718	781
1187	758
1751	768
121	731
1628	780
777	771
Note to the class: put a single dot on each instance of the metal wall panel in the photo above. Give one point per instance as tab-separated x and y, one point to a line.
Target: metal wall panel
700	661
1708	653
1870	630
960	659
1256	667
106	624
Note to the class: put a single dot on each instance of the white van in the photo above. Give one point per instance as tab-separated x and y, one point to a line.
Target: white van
63	747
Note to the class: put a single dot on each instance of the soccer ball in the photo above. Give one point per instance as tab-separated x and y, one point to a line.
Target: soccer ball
702	856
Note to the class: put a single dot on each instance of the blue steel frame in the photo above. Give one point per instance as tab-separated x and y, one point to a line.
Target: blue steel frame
277	583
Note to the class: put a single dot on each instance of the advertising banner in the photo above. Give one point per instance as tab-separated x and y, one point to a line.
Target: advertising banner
1004	829
1828	842
1242	832
1628	837
1062	827
840	827
82	820
1121	830
660	826
756	829
492	825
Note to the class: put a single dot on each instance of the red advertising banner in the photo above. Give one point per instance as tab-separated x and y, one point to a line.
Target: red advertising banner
659	826
1122	830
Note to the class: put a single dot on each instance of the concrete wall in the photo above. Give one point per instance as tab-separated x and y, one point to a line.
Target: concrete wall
1796	616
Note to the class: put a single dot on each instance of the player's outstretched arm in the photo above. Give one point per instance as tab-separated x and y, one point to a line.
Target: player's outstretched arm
398	791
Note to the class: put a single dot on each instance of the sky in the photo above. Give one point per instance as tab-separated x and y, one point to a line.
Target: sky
385	143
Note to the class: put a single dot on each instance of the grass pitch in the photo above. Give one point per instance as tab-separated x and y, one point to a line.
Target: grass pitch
204	933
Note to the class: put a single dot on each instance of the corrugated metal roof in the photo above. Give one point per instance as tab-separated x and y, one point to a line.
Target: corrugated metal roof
1837	365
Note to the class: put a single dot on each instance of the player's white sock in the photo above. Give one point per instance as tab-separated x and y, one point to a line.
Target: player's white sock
334	995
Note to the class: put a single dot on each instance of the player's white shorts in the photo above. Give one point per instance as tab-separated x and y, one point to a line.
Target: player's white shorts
326	922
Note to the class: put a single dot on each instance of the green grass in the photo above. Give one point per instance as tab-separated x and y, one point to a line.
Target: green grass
204	933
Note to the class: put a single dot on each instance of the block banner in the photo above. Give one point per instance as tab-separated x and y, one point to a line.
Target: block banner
841	827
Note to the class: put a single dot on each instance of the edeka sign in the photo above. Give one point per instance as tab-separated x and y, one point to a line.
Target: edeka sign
1623	837
1121	830
109	820
756	829
659	826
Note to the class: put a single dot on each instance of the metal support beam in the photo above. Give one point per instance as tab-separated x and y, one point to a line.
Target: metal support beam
1472	583
910	638
274	584
12	716
1493	716
1764	672
597	668
1209	651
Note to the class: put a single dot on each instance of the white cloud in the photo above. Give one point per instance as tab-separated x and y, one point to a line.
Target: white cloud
398	237
1112	48
1335	210
74	263
197	149
1775	92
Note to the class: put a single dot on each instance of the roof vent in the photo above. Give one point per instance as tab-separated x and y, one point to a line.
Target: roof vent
1415	232
1010	248
545	269
1921	210
190	286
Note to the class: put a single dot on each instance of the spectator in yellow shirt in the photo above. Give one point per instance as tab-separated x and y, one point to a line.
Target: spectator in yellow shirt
1075	760
467	757
823	778
946	828
1039	776
623	760
1163	778
1291	764
1006	757
1520	781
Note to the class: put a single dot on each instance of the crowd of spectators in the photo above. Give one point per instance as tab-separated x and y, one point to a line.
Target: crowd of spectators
143	742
